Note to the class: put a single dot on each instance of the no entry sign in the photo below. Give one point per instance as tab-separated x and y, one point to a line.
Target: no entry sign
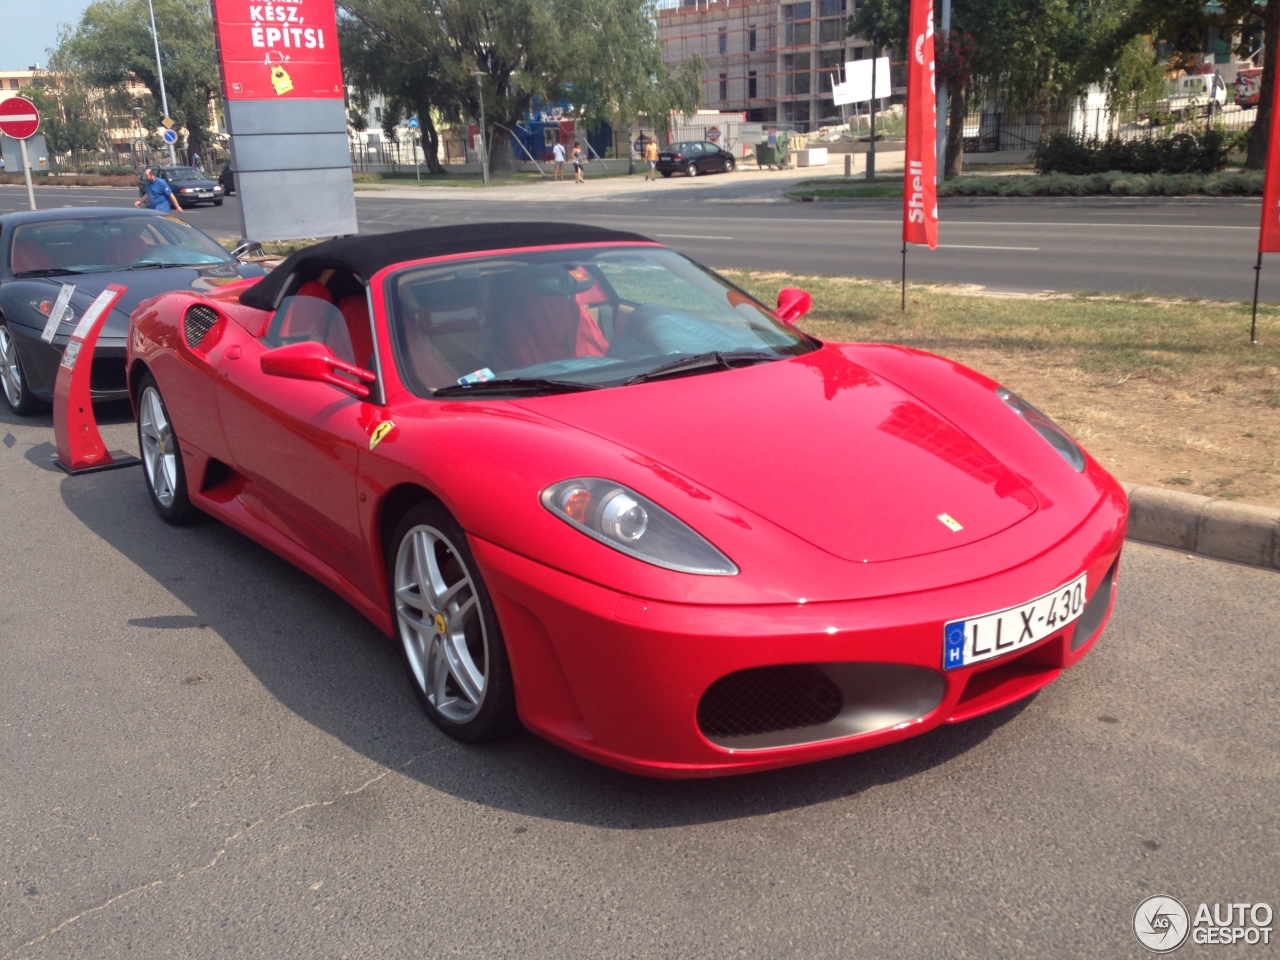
19	117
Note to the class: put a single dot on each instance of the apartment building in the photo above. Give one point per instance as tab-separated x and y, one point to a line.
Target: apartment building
771	59
11	81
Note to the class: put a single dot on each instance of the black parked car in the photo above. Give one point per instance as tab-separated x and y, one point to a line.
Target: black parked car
41	250
694	157
227	180
189	184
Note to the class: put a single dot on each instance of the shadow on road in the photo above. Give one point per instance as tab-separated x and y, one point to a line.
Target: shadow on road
327	664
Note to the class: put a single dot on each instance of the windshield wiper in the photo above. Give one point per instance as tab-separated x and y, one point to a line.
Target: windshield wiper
520	386
53	271
147	265
702	362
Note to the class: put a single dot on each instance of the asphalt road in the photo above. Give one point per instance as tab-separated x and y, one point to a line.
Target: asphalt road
1188	248
204	753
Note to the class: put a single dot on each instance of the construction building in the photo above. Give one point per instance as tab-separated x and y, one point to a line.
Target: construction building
773	60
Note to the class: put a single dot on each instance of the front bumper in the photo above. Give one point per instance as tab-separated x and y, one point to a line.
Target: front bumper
673	690
40	362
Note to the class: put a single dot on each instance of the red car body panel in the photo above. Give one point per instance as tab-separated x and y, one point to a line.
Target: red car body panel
820	476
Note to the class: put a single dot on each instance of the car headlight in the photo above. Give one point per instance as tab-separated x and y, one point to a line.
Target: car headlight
633	524
190	190
45	307
1057	437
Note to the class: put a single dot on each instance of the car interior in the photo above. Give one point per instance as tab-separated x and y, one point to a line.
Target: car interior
332	308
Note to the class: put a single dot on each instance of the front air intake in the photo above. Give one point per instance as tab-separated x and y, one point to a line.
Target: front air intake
197	322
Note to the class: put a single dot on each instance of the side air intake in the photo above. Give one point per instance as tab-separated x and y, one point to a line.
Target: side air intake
197	322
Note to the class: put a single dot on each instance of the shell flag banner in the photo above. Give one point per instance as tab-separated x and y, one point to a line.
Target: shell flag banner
277	51
920	189
1269	236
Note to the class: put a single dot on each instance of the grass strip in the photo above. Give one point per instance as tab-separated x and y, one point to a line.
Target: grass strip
1184	344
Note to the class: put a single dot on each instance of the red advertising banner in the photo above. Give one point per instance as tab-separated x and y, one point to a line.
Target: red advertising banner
273	51
1269	235
920	187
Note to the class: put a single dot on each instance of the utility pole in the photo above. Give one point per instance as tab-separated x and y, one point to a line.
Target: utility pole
164	99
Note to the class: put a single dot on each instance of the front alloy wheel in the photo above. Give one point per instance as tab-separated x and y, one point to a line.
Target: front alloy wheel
13	382
452	643
162	458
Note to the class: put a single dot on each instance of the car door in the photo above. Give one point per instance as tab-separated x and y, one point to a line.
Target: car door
297	443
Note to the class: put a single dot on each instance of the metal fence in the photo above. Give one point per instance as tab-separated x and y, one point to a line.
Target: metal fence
987	131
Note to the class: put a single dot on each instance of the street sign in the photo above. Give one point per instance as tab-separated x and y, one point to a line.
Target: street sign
19	117
167	122
170	136
413	123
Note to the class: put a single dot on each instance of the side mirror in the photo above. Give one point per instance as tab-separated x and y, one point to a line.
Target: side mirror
793	303
314	361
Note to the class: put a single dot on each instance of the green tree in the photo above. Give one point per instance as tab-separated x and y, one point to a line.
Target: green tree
602	56
1023	54
72	114
112	43
1181	24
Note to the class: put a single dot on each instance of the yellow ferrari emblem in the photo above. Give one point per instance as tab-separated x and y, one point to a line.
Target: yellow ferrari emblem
442	625
380	431
950	522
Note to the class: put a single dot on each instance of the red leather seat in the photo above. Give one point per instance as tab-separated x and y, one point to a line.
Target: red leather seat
29	255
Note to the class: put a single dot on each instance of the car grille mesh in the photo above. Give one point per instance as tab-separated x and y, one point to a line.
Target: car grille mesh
107	375
197	322
768	699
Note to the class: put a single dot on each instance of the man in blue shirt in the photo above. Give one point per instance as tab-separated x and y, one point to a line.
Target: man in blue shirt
159	194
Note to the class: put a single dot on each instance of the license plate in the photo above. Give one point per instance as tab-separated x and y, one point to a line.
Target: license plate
206	194
974	639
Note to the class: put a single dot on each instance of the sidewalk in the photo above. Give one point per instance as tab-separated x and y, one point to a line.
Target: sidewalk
747	183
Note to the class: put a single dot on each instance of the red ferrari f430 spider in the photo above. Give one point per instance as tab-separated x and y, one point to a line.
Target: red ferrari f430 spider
592	487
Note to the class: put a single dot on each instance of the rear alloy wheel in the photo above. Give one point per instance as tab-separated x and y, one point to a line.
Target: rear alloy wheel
162	458
448	630
691	169
13	382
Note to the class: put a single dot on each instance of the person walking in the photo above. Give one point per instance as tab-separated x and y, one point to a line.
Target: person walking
557	154
159	194
578	159
651	157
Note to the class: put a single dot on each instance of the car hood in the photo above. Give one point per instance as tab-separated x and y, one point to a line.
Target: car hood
819	446
140	285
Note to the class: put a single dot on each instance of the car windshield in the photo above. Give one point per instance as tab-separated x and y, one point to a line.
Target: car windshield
564	320
104	244
183	173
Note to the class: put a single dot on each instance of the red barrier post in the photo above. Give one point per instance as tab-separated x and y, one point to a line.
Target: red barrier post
75	430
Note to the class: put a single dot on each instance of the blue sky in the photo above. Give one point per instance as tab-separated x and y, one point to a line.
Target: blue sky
30	27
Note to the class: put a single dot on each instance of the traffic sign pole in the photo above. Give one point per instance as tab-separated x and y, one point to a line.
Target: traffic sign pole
19	118
26	171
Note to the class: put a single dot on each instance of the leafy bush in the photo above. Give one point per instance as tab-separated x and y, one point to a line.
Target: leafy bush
1113	183
1204	152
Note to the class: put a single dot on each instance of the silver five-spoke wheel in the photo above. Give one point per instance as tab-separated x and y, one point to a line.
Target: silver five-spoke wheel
443	633
12	382
447	627
162	467
159	453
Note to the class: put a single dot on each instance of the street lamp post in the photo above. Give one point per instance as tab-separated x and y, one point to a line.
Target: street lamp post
484	153
164	99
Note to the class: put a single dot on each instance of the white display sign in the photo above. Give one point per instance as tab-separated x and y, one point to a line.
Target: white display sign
93	313
857	83
55	315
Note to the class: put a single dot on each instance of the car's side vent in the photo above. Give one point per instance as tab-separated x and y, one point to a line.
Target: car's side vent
197	322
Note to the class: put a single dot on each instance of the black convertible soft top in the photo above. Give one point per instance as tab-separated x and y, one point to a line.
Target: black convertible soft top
366	255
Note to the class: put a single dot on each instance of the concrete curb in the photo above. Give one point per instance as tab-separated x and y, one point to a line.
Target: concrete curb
1212	528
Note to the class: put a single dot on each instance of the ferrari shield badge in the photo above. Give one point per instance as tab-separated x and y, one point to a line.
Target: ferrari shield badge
950	522
380	431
